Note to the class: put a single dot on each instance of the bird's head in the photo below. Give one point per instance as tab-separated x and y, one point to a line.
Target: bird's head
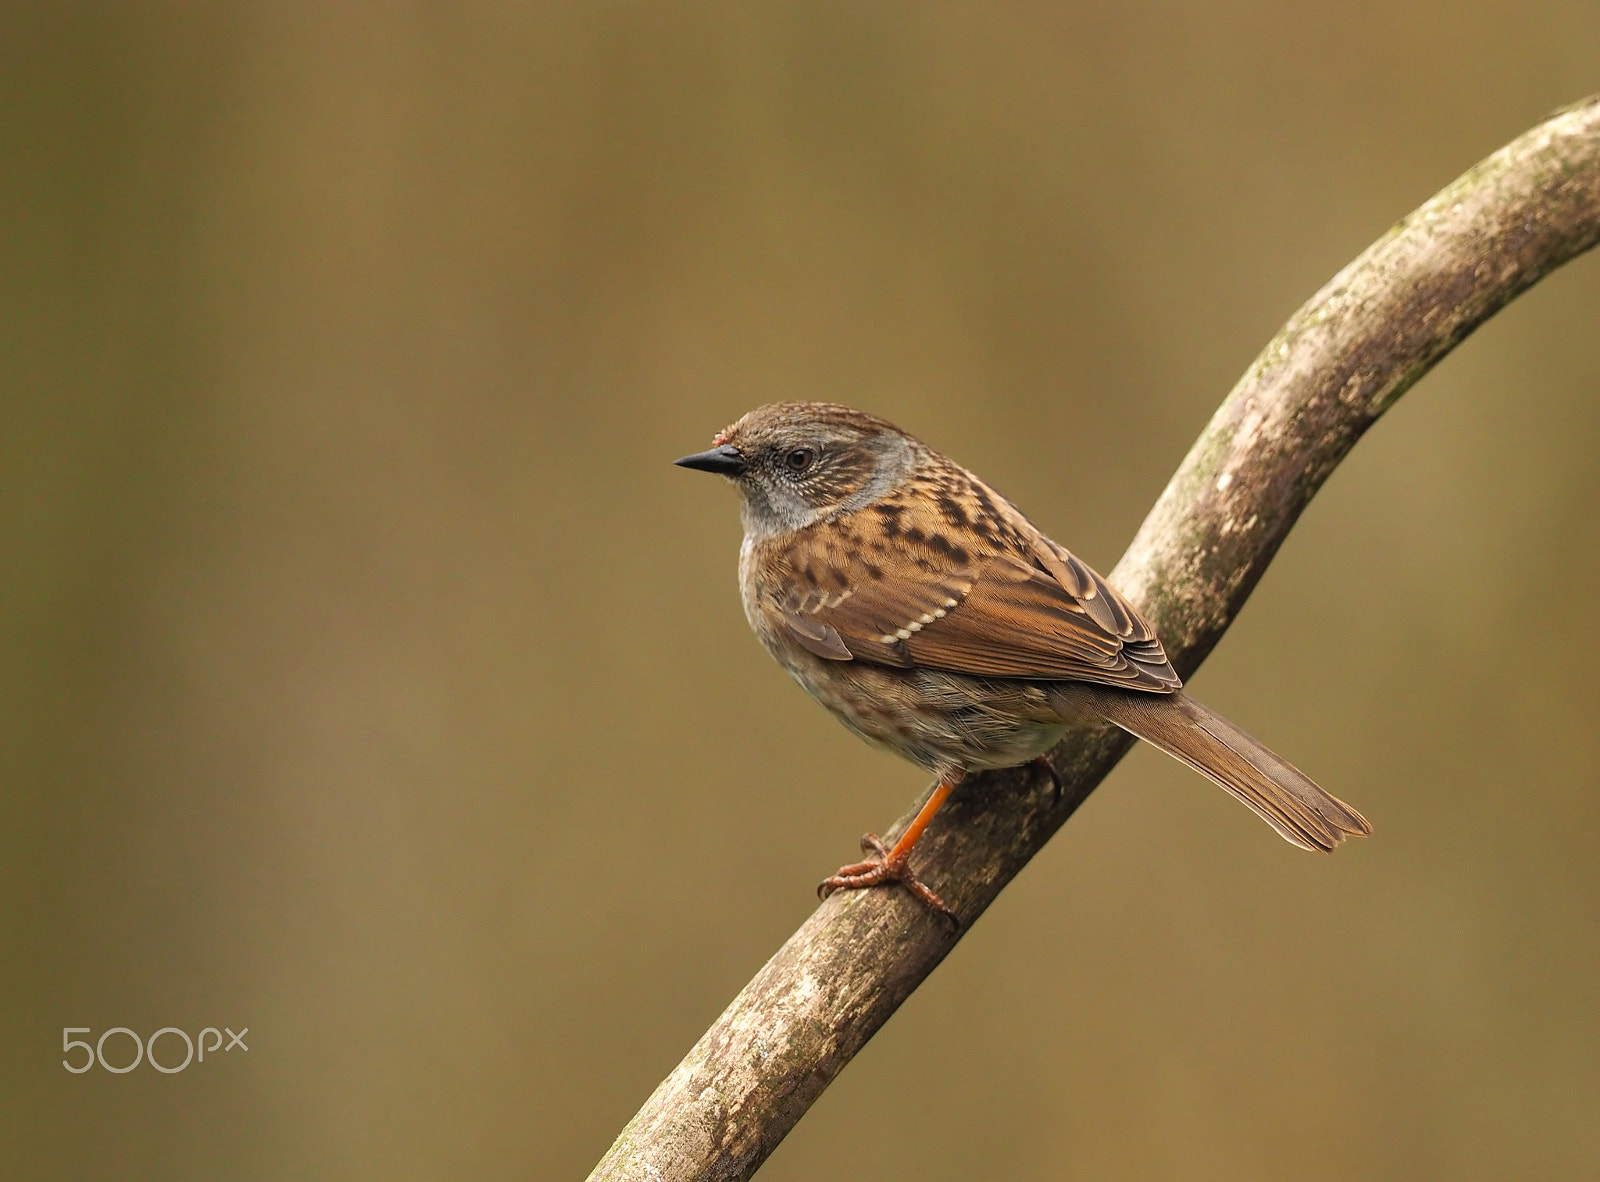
796	463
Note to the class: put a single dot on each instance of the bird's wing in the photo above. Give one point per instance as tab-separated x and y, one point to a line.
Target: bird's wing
900	583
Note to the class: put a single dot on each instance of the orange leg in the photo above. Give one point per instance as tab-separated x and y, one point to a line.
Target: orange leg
892	865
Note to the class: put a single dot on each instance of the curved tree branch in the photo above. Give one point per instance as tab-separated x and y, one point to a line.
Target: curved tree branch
1340	362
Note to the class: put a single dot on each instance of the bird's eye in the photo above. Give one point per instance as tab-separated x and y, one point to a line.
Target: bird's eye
799	459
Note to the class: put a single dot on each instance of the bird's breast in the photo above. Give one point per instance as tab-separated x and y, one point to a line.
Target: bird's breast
760	593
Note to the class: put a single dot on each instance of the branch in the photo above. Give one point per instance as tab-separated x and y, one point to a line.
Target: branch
1341	361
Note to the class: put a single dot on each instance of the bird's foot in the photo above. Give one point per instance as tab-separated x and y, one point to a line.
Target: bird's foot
887	866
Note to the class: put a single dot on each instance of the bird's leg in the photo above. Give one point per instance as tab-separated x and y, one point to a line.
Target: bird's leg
892	865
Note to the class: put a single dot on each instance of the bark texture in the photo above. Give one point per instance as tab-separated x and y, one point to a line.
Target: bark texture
1343	359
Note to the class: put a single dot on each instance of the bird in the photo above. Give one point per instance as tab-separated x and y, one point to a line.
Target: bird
935	621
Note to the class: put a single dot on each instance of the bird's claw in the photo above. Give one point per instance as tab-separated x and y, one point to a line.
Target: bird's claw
883	869
1057	788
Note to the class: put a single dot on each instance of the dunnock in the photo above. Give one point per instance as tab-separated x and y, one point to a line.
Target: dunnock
932	618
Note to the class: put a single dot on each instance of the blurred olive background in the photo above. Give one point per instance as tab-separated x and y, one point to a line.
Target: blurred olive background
372	679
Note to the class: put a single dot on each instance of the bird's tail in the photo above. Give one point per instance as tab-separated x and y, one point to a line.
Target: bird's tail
1277	791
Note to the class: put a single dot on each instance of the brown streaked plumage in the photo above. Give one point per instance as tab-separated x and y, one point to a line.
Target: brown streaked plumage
934	619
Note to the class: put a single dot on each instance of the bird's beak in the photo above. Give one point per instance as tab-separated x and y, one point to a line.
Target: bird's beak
726	460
